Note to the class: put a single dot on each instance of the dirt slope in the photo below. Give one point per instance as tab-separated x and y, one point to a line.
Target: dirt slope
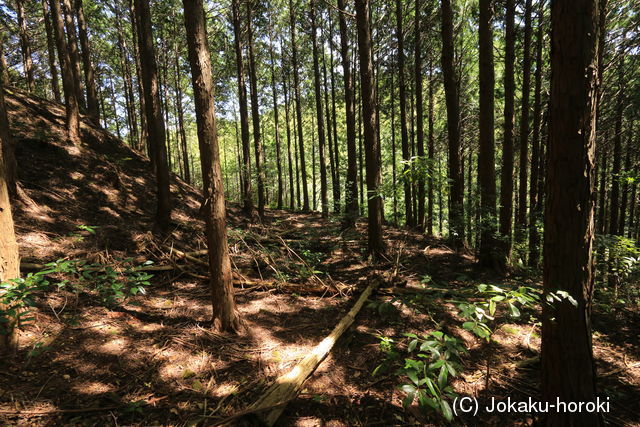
102	183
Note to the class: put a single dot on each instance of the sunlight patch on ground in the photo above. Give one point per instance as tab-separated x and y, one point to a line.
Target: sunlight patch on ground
92	387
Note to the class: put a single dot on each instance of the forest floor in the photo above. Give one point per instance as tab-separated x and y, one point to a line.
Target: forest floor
153	359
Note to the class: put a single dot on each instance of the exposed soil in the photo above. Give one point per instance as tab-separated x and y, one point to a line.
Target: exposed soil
154	359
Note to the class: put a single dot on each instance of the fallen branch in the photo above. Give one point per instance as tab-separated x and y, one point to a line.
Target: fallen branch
287	386
56	411
30	266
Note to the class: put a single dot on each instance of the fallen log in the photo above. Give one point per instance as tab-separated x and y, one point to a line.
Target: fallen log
287	386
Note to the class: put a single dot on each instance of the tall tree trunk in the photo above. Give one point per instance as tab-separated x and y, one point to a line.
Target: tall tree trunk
153	110
27	62
431	148
144	128
521	220
90	83
244	114
128	84
406	155
419	116
51	51
456	215
351	188
276	123
488	255
319	113
255	114
72	40
327	112
4	68
285	86
534	205
625	185
393	152
72	110
617	153
225	315
602	205
568	371
179	107
296	88
372	145
336	150
9	257
506	176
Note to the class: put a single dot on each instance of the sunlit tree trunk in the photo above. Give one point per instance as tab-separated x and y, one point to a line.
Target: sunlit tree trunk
9	258
89	78
72	109
225	315
25	44
51	51
72	44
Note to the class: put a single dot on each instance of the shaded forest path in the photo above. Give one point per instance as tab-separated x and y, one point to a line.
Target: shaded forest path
152	359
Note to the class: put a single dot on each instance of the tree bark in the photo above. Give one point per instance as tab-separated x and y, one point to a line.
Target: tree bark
625	185
456	214
9	257
153	111
534	205
488	255
614	206
419	116
225	315
568	371
183	134
296	88
336	150
72	109
521	219
506	176
51	51
244	114
431	159
319	114
276	124
406	155
372	145
89	78
351	189
255	114
72	40
25	45
285	86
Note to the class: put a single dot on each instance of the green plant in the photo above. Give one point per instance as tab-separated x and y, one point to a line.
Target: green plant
16	296
435	360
